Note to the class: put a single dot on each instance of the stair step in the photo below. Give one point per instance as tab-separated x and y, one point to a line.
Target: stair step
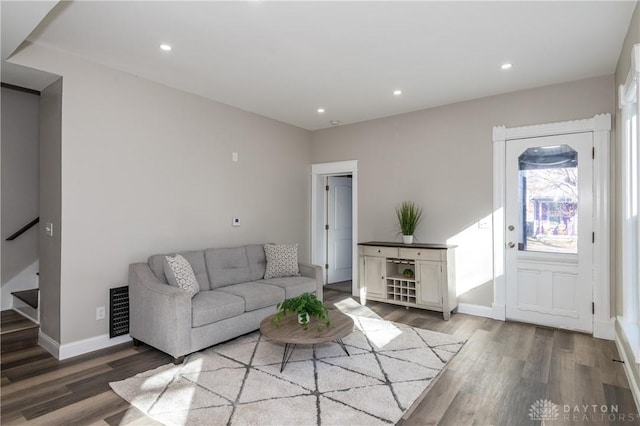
17	332
30	297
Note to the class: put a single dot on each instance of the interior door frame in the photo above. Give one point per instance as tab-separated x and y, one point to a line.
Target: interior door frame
330	234
600	125
318	173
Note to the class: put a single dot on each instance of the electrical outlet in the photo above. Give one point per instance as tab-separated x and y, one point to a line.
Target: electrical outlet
234	156
484	223
100	313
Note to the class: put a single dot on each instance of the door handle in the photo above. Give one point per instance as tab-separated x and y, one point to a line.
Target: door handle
511	244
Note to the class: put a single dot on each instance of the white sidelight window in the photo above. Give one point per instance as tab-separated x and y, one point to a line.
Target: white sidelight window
629	95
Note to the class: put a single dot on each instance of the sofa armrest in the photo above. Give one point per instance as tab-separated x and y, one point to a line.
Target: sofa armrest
315	272
160	315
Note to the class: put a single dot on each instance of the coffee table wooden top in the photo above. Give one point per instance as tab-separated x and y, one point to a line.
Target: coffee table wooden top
292	332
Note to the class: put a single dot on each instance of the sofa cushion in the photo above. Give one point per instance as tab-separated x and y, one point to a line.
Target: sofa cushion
293	286
179	273
211	306
255	295
227	266
195	259
257	261
282	260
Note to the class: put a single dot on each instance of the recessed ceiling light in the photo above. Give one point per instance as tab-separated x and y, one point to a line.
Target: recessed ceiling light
506	66
397	92
334	122
165	47
320	110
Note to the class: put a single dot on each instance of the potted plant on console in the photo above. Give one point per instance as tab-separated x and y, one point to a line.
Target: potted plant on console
409	217
306	306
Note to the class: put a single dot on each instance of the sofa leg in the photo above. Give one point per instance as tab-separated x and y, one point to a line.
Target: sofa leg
136	342
178	361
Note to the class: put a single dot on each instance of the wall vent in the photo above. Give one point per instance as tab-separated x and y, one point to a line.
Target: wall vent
118	311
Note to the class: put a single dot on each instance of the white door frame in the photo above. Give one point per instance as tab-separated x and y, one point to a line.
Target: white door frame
600	125
337	270
318	173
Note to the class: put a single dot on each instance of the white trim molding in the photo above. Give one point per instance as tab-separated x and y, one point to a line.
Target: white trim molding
318	172
80	347
600	126
623	331
477	310
627	326
628	90
49	344
497	217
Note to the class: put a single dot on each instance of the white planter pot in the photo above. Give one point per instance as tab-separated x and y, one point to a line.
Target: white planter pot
302	317
407	239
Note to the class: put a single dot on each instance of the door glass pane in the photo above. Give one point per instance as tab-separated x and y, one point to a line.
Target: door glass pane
548	199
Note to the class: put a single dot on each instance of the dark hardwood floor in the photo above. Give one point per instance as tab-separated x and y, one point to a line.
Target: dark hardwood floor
17	332
501	371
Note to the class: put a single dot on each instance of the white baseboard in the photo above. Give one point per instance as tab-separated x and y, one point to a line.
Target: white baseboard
91	344
621	342
49	345
604	329
78	347
498	312
477	310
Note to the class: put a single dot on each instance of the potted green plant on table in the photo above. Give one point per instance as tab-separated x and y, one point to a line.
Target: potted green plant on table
306	306
409	217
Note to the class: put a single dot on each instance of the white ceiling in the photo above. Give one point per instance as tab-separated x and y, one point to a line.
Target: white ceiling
286	59
19	19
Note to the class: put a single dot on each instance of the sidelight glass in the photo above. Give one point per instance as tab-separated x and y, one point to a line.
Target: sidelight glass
548	199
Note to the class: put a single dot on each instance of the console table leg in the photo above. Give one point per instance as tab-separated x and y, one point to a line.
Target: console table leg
344	348
286	355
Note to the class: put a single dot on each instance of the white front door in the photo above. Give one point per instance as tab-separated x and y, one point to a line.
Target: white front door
339	227
548	231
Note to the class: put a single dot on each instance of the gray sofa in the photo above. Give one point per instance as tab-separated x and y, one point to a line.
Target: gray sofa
234	297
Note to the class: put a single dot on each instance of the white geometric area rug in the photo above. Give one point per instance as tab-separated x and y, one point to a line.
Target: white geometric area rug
239	382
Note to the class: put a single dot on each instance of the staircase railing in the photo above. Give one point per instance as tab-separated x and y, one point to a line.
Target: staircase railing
23	229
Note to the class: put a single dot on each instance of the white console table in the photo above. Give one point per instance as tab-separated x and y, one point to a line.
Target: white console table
433	283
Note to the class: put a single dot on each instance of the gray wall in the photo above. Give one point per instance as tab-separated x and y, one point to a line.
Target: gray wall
442	159
147	169
50	208
20	179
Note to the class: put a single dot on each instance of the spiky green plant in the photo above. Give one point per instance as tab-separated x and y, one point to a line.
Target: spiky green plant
409	217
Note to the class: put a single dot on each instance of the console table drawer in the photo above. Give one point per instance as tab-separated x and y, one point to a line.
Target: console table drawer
380	251
422	254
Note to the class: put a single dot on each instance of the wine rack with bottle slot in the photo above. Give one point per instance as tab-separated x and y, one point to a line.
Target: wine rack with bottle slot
401	285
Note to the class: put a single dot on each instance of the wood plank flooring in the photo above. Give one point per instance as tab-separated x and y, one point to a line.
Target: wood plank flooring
17	332
501	371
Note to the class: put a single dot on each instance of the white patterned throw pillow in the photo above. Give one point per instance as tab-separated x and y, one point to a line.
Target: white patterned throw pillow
282	260
180	274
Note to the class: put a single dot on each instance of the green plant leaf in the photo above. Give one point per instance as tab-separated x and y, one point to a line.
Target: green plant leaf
409	217
306	302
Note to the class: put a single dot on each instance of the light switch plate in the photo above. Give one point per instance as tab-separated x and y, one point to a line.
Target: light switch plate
48	229
235	221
